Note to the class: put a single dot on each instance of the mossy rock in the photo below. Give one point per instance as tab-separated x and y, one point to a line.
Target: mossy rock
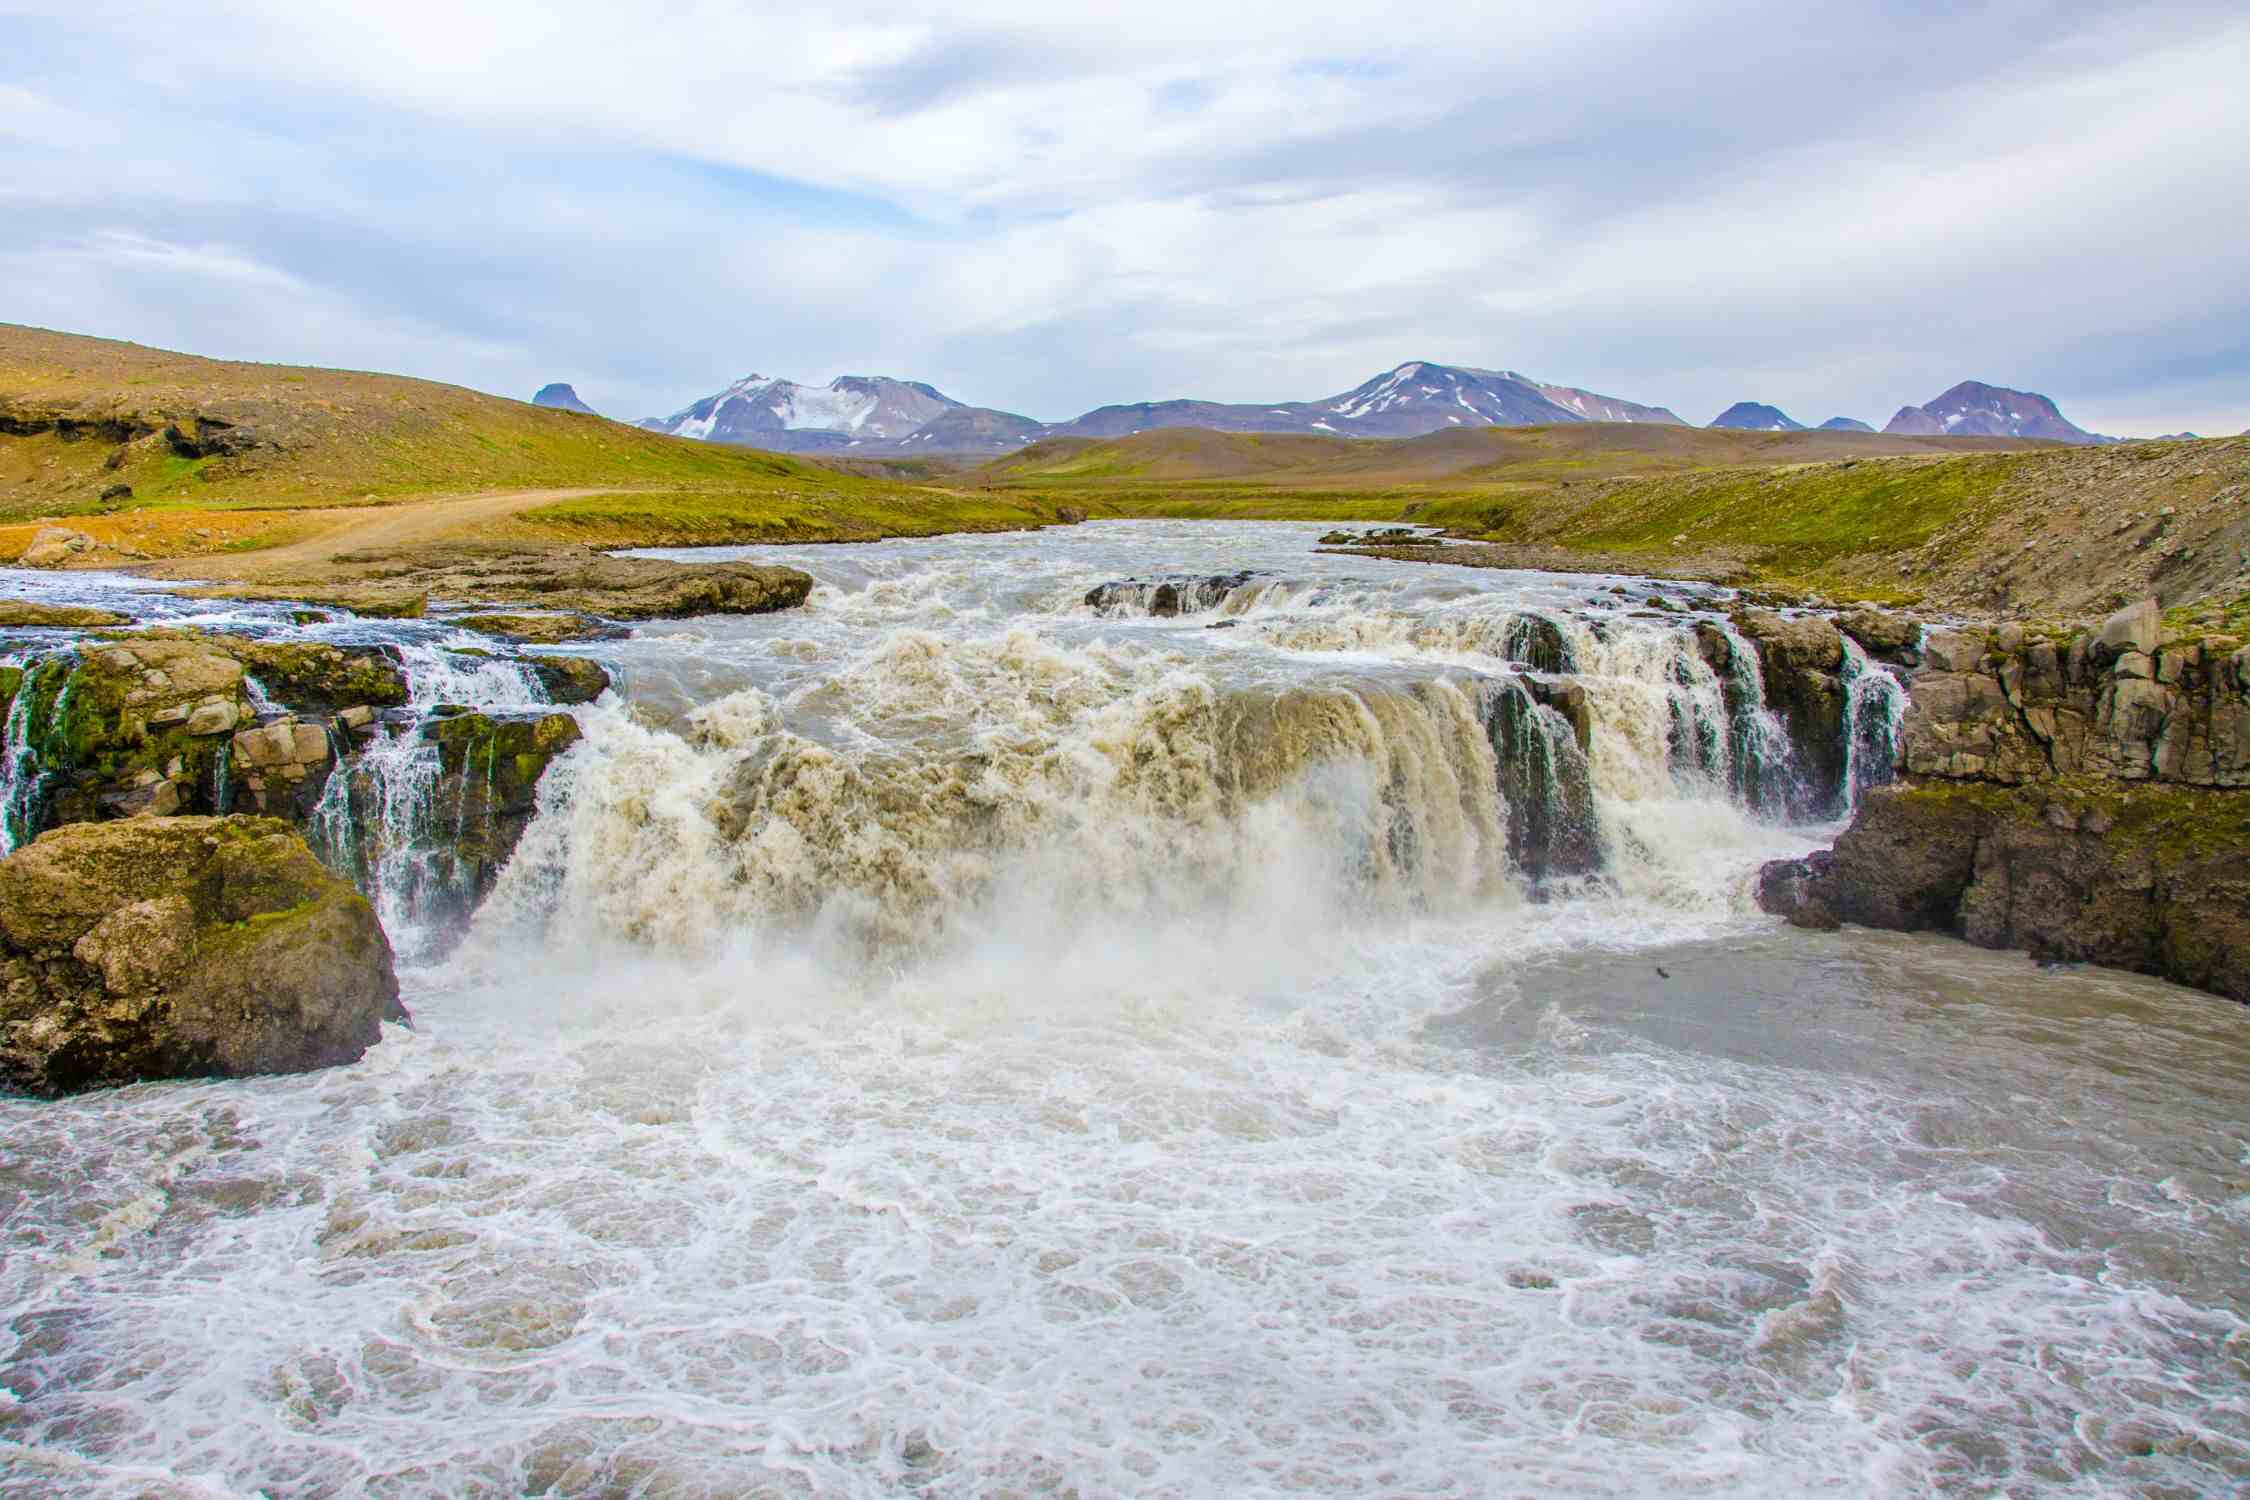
541	630
569	680
308	674
182	948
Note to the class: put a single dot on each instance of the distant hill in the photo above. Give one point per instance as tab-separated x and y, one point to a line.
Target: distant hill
1974	409
1414	399
561	397
1756	416
1845	424
1181	460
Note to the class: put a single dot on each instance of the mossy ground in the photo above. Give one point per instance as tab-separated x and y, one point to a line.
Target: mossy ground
831	508
2175	825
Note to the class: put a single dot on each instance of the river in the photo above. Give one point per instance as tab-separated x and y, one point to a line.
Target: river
957	1041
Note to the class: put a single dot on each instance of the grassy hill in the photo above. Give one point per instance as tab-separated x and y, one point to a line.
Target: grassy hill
80	416
1985	524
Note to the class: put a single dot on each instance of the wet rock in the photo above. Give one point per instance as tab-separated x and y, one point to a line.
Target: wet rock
22	612
314	675
1539	643
1884	636
2150	878
569	680
491	770
541	630
1800	658
1165	598
1547	784
182	948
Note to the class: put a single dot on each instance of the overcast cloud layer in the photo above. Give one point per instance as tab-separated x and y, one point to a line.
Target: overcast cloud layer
1043	211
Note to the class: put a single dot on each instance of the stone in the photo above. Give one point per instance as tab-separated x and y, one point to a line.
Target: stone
183	947
212	716
1952	650
569	680
22	612
1070	515
1787	641
52	546
2136	627
541	630
1880	634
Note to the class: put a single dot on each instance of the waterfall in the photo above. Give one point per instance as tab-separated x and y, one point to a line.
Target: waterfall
1546	783
1760	765
382	820
25	768
1874	703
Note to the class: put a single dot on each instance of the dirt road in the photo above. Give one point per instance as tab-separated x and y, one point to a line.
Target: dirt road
354	528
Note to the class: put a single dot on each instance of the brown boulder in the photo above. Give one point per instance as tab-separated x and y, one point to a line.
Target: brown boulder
182	948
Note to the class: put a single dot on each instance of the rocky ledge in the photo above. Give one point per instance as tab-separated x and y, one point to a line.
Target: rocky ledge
179	722
558	578
2084	797
182	948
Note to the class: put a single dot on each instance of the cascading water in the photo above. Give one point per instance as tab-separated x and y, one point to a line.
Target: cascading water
23	762
1874	704
954	1040
379	821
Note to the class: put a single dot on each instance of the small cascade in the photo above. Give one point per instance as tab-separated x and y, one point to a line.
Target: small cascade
1698	738
1165	598
25	769
1553	829
1537	642
1760	766
1874	705
261	701
396	819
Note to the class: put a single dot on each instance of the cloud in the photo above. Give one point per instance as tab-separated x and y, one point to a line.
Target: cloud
1046	209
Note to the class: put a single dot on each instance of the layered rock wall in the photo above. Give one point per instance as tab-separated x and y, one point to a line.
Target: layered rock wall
2084	798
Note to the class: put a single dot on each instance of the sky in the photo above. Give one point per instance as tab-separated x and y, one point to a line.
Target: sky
1837	209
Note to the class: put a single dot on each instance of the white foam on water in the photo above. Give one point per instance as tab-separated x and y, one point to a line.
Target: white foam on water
972	1047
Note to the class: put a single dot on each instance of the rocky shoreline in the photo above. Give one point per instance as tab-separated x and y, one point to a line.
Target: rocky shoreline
2085	797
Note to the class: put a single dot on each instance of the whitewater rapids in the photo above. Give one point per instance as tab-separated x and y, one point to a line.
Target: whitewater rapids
957	1041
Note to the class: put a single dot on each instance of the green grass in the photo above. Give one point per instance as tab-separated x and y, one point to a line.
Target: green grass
1805	518
843	510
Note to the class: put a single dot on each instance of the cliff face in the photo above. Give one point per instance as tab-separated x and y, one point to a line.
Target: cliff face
2086	799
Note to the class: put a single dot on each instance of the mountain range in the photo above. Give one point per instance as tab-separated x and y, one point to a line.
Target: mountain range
881	417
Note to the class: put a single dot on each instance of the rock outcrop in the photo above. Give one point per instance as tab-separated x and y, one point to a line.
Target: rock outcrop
2082	798
182	948
53	546
23	613
1167	597
548	577
181	722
